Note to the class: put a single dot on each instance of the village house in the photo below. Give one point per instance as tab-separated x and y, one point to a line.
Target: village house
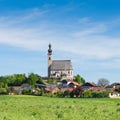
92	86
88	85
19	89
67	85
113	90
51	89
112	87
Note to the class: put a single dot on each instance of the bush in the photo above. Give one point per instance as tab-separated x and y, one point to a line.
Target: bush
66	94
90	94
60	94
3	91
49	95
26	92
87	94
101	94
37	92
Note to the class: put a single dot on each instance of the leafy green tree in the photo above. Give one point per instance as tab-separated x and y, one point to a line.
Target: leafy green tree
40	80
82	80
4	80
15	80
18	79
79	79
32	78
1	85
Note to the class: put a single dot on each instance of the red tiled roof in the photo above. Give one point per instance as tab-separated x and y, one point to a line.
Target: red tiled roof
92	83
75	83
51	90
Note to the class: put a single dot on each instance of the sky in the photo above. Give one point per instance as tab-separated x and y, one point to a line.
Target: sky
87	32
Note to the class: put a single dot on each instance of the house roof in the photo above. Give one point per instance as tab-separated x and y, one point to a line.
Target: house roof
97	88
91	84
52	90
75	83
112	85
41	85
61	65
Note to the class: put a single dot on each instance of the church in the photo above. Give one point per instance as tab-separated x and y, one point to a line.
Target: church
59	68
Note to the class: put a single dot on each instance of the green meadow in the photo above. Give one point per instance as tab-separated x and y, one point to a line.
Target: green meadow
48	108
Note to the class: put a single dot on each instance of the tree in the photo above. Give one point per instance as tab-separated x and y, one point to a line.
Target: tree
19	79
40	80
79	79
103	82
32	78
82	80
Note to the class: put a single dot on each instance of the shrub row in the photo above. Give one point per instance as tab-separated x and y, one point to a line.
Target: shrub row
99	94
85	94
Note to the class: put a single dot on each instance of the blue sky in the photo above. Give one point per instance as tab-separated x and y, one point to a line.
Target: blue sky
85	31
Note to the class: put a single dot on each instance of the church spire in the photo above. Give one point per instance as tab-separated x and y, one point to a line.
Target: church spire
49	58
50	49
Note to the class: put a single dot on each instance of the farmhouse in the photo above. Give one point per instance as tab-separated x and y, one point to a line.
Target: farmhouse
88	85
112	87
68	84
113	90
92	86
59	68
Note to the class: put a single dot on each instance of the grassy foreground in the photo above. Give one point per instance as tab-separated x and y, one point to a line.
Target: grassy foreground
45	108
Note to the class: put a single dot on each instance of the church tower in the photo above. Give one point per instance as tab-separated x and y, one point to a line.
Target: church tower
49	59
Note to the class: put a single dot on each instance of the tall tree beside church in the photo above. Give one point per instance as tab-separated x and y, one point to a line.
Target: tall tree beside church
79	79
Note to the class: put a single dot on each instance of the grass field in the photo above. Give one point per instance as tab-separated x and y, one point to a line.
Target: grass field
46	108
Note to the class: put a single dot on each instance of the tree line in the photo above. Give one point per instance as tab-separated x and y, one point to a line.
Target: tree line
19	79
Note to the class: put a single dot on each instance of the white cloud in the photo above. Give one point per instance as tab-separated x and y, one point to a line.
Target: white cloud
97	29
89	42
25	38
18	17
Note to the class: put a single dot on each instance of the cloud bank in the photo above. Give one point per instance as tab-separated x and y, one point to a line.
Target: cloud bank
89	41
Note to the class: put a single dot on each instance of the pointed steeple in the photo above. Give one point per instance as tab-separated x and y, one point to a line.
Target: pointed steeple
50	49
49	58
